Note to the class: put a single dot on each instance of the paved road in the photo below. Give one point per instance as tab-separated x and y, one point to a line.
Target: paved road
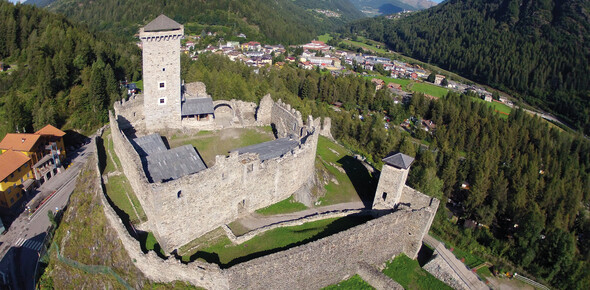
21	244
467	277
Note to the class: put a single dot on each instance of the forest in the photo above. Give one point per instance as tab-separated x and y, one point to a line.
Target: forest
537	50
281	21
60	73
528	181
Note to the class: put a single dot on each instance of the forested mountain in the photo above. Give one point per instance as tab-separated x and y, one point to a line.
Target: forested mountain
529	183
377	7
60	73
539	49
283	21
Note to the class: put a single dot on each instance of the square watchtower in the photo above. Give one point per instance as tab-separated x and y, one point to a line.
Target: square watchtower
161	73
392	181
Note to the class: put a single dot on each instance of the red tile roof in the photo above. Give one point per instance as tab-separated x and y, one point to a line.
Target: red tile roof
19	142
50	130
10	161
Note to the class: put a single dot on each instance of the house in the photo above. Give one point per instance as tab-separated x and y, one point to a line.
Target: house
487	98
306	65
316	46
428	125
394	86
53	141
252	45
379	83
438	79
15	177
30	145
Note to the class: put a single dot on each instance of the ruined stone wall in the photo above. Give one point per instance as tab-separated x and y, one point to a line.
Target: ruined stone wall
131	112
287	120
329	260
264	112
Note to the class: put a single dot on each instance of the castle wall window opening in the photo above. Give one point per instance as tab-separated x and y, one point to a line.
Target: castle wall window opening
162	101
162	85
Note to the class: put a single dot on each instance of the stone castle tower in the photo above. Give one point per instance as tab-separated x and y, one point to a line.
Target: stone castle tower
392	180
161	72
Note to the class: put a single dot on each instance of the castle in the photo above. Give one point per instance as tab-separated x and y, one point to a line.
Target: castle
183	199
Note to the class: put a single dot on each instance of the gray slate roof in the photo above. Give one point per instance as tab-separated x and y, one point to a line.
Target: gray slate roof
399	160
174	163
162	164
162	23
197	106
149	144
271	149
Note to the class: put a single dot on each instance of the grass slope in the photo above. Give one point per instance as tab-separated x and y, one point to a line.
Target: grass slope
353	283
410	275
285	206
85	237
225	254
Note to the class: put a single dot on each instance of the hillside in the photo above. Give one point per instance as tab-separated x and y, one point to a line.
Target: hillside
383	7
55	64
283	21
539	50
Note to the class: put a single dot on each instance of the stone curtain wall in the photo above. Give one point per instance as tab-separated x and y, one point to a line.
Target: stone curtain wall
310	266
198	273
130	112
329	260
287	120
181	210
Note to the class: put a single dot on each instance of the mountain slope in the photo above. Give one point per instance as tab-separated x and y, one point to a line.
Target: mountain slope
537	49
383	7
61	73
284	21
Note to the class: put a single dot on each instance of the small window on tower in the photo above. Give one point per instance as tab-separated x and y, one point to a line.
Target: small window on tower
162	101
163	69
162	85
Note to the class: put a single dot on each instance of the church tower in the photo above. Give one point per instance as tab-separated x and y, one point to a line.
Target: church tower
392	180
161	73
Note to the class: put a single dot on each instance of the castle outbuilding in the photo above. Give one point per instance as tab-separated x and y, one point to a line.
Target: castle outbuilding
392	180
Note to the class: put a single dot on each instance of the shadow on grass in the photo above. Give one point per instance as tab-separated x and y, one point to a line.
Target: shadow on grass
337	226
364	184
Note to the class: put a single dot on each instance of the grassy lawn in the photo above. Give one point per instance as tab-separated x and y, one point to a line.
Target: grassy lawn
467	258
353	283
502	110
139	84
226	254
209	238
354	181
325	37
429	89
410	275
285	206
212	143
364	45
117	189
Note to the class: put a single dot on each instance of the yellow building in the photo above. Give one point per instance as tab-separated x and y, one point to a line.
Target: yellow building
15	177
28	144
